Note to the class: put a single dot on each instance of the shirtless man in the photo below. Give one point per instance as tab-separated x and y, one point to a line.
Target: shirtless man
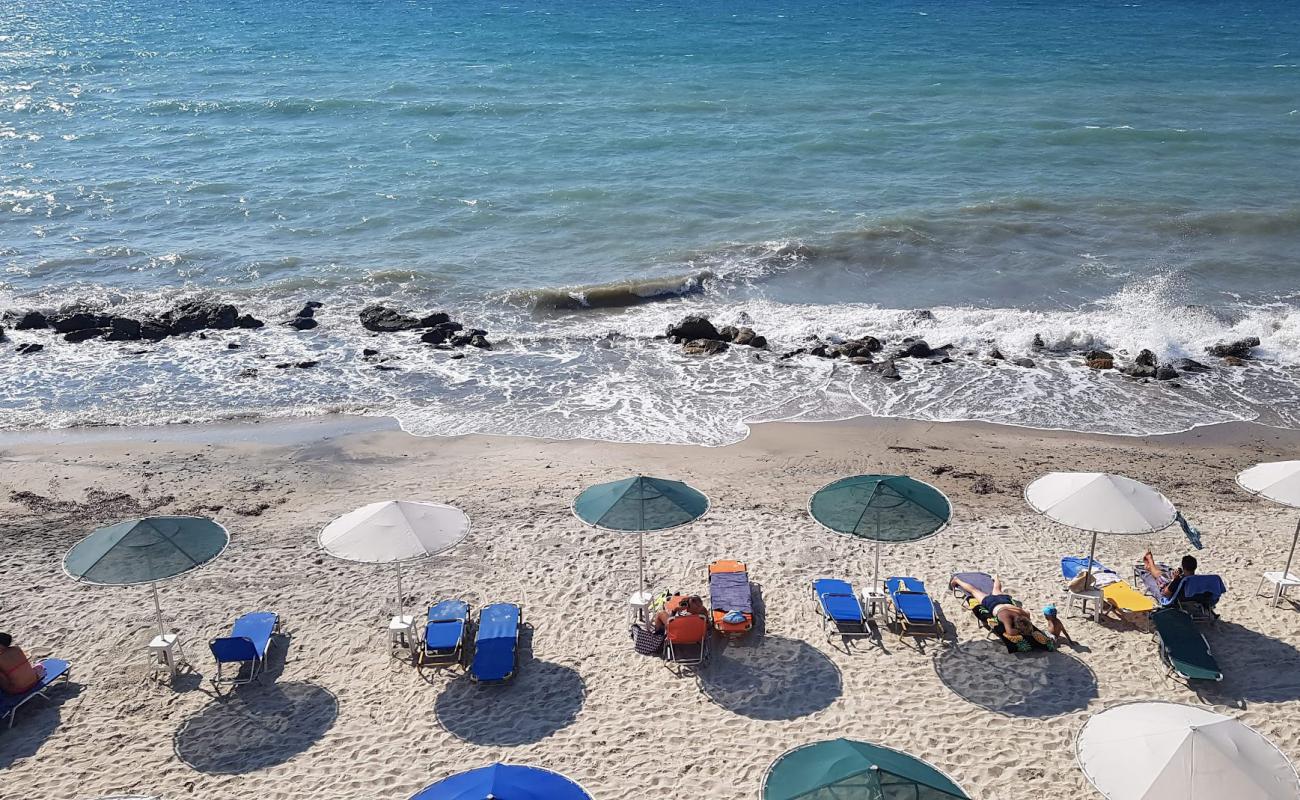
1012	616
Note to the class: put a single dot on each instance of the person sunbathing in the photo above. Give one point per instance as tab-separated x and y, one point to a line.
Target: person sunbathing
17	674
1169	583
679	605
1000	605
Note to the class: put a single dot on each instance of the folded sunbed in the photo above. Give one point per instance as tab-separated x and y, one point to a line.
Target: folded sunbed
686	640
1113	588
56	670
443	643
246	646
729	591
1182	647
1014	642
839	609
496	645
911	607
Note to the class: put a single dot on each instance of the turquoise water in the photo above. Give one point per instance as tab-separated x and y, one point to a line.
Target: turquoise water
1120	175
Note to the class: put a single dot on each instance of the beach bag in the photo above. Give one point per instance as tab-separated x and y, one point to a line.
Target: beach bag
646	641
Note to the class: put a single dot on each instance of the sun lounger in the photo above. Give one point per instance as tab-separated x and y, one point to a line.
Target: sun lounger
1113	589
1182	647
443	643
729	591
1197	594
56	671
911	608
1014	642
839	609
686	641
249	639
496	645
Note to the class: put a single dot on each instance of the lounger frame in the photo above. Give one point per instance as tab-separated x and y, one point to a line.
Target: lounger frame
831	627
904	625
456	657
32	694
1171	671
257	665
692	657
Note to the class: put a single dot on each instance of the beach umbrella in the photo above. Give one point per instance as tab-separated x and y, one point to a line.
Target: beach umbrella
148	550
395	532
640	504
1157	750
1100	503
504	782
843	769
881	508
1278	481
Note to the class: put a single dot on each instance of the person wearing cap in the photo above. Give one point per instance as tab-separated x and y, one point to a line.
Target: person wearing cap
1054	625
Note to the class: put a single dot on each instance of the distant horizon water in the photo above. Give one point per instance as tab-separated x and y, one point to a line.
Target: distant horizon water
575	177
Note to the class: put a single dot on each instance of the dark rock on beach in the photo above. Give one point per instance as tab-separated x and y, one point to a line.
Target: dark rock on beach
83	334
1239	349
435	336
198	315
705	346
154	330
694	327
28	347
889	370
309	309
369	352
1027	363
758	342
248	321
480	342
1166	373
436	318
916	348
31	321
1146	358
78	321
1138	370
1188	365
300	323
386	320
121	329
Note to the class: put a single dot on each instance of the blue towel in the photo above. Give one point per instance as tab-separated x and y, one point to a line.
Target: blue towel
1189	530
496	643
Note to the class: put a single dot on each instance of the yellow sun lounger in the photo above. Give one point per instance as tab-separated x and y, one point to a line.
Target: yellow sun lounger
1126	598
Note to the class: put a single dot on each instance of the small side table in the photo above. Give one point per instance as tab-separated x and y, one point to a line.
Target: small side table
166	651
1281	583
873	603
401	633
1082	598
637	606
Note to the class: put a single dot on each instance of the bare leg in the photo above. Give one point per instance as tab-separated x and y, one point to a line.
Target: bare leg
997	585
968	589
1149	562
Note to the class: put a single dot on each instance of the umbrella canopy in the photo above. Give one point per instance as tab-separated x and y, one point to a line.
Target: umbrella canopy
1278	481
145	550
843	769
640	504
1158	750
504	782
395	530
1100	502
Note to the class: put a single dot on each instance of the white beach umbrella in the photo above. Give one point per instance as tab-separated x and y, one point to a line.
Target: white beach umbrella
393	532
1101	503
1278	481
1158	750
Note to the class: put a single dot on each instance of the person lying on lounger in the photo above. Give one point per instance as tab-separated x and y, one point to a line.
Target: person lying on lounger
679	605
1000	605
17	674
1169	582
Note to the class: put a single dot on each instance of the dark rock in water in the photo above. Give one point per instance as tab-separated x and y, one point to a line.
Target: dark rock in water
889	370
823	351
121	329
386	320
449	327
248	372
386	367
198	315
1188	365
1166	373
306	364
154	330
743	336
301	323
29	347
2	334
1096	355
789	354
758	343
1136	370
31	321
475	332
920	315
368	352
704	346
249	322
233	345
1238	349
79	321
1233	361
694	327
203	336
284	365
1100	363
860	360
434	336
872	344
84	335
309	310
461	339
1027	363
914	349
729	333
1146	358
997	354
436	318
480	342
1038	344
457	355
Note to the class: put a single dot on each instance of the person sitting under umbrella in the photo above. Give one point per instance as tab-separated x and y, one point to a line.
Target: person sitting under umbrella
17	674
1169	582
1000	605
679	605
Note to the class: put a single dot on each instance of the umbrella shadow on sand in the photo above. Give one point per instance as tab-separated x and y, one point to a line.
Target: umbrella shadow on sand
1035	684
543	698
770	678
1257	668
35	722
256	726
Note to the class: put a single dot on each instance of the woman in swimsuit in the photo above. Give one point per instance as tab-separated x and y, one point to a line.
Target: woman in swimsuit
999	604
17	674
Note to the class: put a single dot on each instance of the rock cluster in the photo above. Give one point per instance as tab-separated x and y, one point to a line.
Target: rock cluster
698	336
79	323
439	328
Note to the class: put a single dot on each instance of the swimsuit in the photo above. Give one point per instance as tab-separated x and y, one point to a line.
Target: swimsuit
993	602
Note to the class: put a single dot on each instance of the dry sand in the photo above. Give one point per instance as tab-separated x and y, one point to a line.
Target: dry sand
337	718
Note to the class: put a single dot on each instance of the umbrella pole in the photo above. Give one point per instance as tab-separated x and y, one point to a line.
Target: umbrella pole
640	561
875	573
1092	549
157	610
1286	573
401	606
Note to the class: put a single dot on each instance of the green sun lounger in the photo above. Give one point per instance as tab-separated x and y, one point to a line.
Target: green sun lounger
1182	647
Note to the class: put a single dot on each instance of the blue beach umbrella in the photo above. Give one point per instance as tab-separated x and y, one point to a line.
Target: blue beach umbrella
881	508
640	504
504	782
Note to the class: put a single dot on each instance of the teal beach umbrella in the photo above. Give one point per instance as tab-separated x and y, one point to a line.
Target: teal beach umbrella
640	504
146	550
843	769
881	508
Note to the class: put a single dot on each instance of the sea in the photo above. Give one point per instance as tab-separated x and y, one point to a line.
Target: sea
574	177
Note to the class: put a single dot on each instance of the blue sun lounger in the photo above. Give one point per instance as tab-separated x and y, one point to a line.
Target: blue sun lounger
444	634
839	608
56	670
496	645
912	608
248	642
